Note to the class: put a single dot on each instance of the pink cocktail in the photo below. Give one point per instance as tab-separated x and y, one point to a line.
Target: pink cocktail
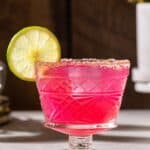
81	97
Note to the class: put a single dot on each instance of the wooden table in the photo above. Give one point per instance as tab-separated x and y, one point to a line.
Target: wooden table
25	132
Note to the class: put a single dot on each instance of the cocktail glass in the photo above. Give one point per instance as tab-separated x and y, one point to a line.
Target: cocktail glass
81	97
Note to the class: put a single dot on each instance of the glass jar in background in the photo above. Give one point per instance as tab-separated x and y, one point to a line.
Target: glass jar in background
4	100
2	76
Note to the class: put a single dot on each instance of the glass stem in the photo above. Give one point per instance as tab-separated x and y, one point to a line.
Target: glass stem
80	142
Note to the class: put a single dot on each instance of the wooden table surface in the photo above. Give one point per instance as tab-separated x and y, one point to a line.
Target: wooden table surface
26	132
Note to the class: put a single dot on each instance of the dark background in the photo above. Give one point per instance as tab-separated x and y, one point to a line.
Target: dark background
85	28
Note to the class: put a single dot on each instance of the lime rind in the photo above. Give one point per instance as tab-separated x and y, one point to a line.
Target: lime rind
24	46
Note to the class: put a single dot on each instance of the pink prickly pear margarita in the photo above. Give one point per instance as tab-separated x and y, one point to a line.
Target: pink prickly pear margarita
81	96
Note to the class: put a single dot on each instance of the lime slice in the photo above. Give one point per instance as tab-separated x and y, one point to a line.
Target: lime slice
29	45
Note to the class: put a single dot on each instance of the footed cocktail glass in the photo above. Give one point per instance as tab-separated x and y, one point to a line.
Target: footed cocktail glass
81	97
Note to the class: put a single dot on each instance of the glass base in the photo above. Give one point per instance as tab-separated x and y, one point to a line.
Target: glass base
81	129
80	142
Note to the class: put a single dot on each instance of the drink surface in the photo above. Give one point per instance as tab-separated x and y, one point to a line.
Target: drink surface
81	93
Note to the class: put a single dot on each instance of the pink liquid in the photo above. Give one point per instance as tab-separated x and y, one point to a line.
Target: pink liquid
81	95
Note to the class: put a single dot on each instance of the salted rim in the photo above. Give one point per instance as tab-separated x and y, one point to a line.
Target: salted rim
111	62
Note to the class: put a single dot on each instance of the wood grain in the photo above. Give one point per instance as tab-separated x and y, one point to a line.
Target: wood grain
91	28
106	29
16	14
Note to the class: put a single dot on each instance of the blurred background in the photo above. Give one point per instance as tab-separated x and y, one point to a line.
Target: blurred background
91	28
